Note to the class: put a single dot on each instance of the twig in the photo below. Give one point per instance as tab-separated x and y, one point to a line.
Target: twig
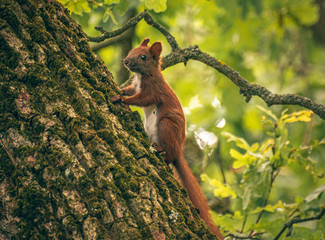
244	237
170	38
274	174
298	220
112	41
106	35
194	53
131	23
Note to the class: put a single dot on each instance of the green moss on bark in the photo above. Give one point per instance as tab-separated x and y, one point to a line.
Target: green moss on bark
8	13
78	165
9	56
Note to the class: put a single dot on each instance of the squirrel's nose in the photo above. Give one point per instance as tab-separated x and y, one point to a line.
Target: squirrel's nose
126	61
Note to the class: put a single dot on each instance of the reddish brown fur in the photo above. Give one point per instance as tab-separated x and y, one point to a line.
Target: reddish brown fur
170	119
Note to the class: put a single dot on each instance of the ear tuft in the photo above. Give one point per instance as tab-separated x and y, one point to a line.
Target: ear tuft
156	49
145	42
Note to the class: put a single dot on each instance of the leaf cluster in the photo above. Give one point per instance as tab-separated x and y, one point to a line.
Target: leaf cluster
261	171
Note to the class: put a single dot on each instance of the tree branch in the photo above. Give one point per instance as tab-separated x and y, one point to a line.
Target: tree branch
131	23
298	220
235	236
178	55
112	41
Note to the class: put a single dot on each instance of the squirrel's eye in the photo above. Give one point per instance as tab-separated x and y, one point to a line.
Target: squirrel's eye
144	57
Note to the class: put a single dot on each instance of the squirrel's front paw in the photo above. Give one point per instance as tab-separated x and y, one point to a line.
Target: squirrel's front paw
120	99
117	98
158	149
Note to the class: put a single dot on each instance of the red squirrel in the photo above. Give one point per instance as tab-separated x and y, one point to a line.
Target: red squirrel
164	118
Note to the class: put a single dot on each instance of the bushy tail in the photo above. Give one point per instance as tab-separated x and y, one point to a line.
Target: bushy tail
196	195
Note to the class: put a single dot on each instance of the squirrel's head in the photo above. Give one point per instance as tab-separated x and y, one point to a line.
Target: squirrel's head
144	59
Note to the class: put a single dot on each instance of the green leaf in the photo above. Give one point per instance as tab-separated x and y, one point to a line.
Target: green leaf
112	1
156	5
205	178
109	14
315	194
243	160
240	142
241	163
268	112
221	190
254	147
270	225
267	146
123	7
306	12
236	155
269	208
247	197
301	116
78	7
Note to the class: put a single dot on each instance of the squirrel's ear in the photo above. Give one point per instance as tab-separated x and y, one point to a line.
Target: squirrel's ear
156	49
145	42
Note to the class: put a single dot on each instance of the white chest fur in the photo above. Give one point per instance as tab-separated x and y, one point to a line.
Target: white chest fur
150	122
137	82
150	113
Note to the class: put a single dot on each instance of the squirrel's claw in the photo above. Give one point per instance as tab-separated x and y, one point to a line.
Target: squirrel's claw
120	99
158	149
117	98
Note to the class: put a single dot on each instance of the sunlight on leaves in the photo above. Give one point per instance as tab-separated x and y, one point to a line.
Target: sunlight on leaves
112	1
205	138
241	159
269	208
195	102
221	190
240	142
78	7
267	146
156	5
305	11
301	116
221	123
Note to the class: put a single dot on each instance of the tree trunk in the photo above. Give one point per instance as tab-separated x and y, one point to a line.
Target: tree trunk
74	166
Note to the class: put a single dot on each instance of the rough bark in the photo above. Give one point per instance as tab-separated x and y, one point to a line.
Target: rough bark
72	165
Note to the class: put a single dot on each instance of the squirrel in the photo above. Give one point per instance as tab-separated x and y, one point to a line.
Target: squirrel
164	118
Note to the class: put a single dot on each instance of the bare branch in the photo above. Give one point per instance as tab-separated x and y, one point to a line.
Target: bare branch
194	53
236	236
298	220
131	23
170	38
112	41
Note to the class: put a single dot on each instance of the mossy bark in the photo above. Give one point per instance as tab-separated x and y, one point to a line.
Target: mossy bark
73	165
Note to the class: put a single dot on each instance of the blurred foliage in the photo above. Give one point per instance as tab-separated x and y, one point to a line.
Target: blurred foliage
267	175
267	161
